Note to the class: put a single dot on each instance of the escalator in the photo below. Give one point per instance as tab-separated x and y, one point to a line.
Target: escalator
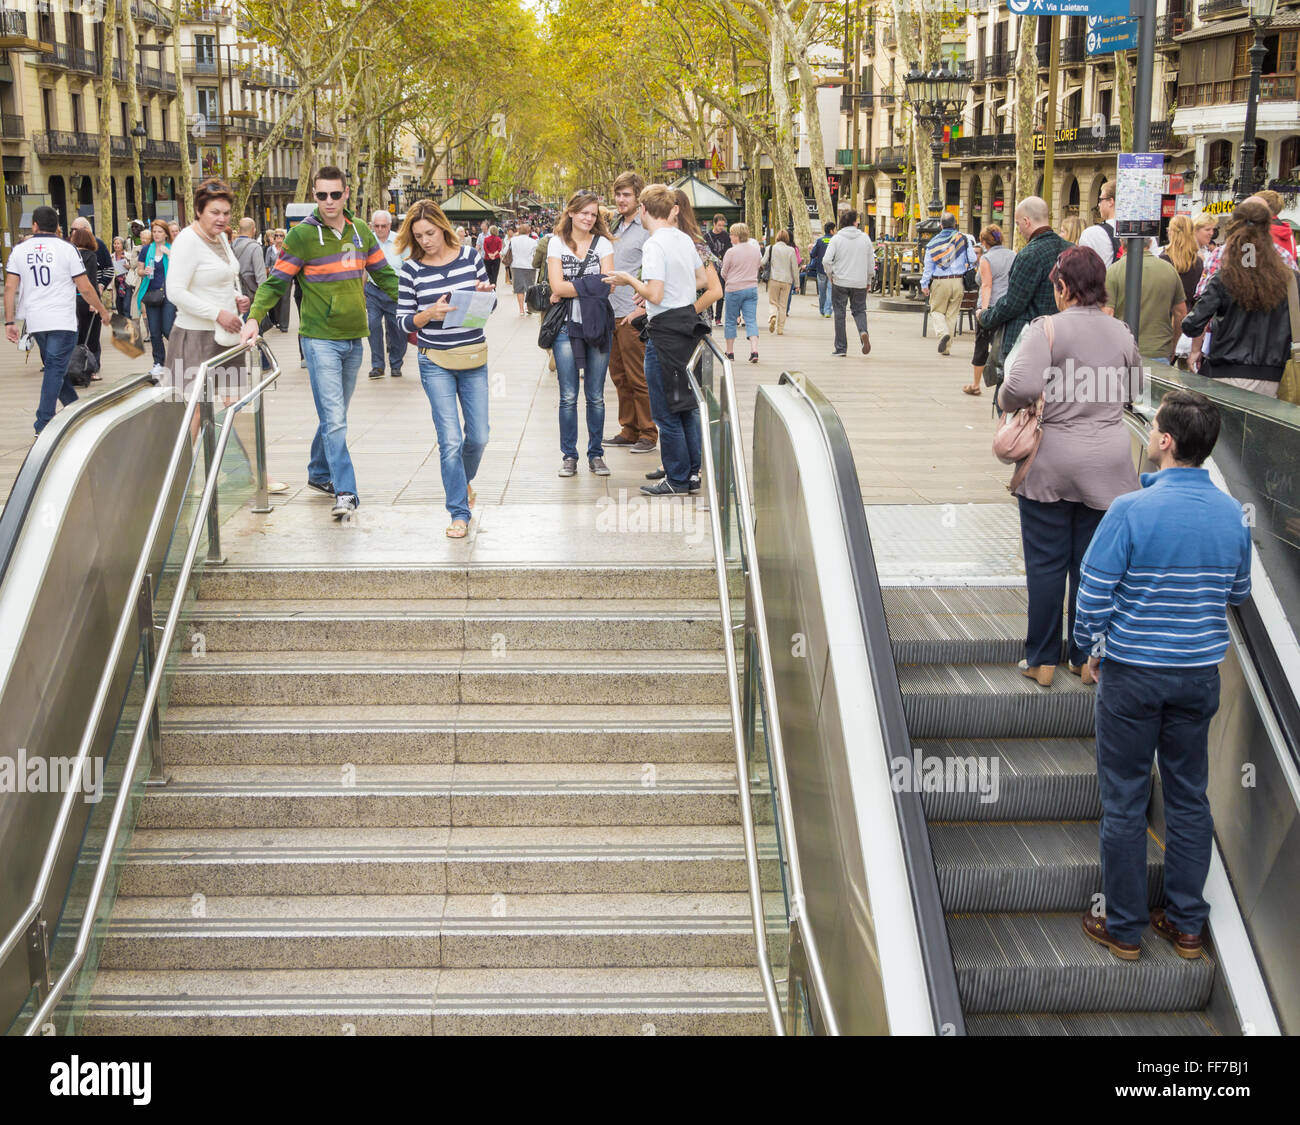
1014	829
992	778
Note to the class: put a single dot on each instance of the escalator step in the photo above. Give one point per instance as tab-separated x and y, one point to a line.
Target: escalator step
1105	1023
997	868
975	625
992	701
1043	963
1036	779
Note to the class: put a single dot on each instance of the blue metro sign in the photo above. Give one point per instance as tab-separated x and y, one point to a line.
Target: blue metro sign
1069	7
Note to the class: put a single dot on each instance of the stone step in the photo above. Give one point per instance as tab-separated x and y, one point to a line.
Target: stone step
433	580
433	734
441	796
518	676
388	625
686	1001
429	931
423	861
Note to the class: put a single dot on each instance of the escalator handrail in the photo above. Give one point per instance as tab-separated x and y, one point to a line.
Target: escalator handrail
41	454
105	862
931	922
755	605
126	624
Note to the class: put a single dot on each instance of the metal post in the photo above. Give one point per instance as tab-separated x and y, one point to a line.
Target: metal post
1049	126
1141	143
936	153
1246	177
262	501
855	91
208	424
38	958
149	659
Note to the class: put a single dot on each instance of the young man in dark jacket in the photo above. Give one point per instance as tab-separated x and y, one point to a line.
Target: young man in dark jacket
1029	289
719	240
815	257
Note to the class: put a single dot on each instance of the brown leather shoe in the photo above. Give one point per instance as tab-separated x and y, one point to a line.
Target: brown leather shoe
1095	928
1189	946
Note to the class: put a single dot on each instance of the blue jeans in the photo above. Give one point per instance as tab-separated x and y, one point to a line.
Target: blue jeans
332	367
381	313
1163	713
459	451
1055	537
823	295
741	302
161	318
566	370
56	350
679	434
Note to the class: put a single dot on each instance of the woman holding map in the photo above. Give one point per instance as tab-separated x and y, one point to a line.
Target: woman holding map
445	297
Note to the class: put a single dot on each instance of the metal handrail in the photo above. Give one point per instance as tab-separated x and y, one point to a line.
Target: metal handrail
126	623
154	686
800	923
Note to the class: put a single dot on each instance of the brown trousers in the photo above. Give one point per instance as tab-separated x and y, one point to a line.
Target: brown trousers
627	371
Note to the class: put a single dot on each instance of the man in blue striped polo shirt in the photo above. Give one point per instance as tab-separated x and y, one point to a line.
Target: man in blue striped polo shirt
1154	588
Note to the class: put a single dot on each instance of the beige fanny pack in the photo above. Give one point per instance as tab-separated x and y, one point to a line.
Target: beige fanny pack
465	357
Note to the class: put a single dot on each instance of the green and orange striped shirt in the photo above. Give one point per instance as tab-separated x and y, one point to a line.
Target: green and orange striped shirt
332	268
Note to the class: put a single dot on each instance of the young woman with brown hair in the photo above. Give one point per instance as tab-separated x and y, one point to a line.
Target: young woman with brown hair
581	250
1245	304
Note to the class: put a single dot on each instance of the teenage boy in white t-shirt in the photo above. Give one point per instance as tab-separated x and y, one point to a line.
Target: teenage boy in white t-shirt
672	274
42	279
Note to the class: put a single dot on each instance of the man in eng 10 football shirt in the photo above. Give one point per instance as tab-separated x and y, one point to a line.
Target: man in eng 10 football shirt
42	278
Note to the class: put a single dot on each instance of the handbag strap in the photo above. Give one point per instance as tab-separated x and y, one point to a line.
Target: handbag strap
1293	299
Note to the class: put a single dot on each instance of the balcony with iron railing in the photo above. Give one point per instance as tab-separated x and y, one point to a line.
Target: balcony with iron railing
1070	140
1217	9
844	157
12	127
206	13
893	156
148	12
276	185
13	25
1073	50
996	65
1168	28
199	64
61	142
64	57
158	152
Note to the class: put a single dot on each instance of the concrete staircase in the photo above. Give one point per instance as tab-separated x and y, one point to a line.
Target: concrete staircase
496	800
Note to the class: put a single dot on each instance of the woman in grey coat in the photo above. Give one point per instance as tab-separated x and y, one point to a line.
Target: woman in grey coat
1084	364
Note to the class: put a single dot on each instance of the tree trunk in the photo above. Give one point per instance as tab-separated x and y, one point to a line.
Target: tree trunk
910	32
133	102
107	221
1124	91
184	172
1026	88
784	155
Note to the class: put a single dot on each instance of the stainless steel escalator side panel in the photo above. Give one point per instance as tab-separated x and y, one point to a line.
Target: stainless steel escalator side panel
60	600
858	895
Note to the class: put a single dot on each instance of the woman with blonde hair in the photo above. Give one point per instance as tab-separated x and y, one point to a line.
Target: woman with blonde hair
1203	228
1181	252
453	357
1071	228
994	273
784	264
740	276
580	251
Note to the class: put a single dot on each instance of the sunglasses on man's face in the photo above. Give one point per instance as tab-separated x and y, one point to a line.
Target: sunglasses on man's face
324	195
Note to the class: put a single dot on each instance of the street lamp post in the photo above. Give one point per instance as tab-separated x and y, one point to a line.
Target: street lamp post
139	139
1261	11
936	96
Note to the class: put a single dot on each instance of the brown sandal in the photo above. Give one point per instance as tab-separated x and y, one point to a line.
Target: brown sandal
972	390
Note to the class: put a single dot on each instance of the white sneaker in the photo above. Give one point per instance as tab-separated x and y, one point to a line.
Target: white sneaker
158	371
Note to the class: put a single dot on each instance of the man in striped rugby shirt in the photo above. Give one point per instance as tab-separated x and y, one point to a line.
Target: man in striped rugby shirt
330	252
1154	587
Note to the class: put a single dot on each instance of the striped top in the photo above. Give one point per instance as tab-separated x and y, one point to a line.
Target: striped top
420	285
1162	568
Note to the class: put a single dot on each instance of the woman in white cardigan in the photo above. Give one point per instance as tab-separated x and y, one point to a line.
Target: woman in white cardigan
203	284
784	263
